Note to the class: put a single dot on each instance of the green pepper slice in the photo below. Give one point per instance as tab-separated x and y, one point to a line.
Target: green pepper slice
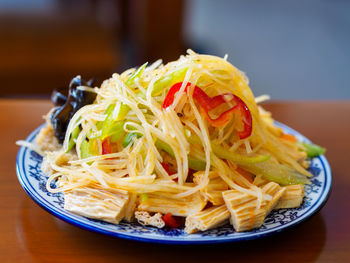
88	148
168	80
313	150
194	164
74	135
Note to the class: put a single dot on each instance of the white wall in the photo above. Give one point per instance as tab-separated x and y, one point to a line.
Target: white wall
289	49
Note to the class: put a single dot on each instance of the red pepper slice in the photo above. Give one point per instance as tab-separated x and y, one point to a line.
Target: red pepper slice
209	103
169	98
170	221
167	168
106	146
189	178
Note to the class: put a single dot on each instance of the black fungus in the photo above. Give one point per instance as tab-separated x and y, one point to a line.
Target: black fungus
59	96
69	105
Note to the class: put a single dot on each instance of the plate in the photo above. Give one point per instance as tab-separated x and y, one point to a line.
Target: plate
33	180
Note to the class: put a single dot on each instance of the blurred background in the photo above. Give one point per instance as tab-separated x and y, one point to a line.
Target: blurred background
289	49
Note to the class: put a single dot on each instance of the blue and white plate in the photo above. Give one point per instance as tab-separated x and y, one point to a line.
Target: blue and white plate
33	180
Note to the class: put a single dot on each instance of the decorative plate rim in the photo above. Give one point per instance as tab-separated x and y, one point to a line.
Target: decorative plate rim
197	239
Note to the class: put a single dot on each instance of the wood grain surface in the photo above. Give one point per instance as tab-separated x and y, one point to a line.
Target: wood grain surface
30	234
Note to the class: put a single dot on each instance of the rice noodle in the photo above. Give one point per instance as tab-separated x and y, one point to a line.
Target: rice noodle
141	166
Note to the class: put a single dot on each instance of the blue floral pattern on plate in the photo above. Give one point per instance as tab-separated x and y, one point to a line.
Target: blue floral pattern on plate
33	180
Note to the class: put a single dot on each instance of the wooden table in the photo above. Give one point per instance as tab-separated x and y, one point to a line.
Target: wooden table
30	234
